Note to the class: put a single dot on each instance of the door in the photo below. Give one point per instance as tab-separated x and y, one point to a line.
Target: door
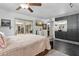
72	28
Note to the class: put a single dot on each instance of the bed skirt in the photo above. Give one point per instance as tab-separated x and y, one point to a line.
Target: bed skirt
43	53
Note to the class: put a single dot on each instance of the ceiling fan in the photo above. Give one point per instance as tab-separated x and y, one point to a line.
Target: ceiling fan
27	6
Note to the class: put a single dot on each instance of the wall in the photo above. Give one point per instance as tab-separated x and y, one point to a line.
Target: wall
6	15
15	16
72	28
51	23
11	15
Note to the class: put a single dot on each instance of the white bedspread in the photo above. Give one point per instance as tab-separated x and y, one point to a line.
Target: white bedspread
28	45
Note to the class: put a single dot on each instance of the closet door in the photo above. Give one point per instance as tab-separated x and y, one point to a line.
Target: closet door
72	28
78	29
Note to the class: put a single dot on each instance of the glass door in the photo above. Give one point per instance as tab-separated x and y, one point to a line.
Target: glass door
23	27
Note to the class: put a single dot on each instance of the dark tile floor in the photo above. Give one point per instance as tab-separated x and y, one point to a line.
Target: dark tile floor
67	48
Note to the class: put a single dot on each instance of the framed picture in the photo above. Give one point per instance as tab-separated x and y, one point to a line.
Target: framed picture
5	22
39	23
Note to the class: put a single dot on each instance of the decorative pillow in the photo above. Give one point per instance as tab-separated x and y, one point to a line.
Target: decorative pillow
2	41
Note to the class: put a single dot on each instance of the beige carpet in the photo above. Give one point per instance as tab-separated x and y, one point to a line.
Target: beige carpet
55	53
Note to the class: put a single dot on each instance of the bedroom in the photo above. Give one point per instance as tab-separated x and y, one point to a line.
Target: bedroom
18	26
38	26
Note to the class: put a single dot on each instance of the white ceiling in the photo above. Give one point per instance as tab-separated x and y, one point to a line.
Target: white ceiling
47	10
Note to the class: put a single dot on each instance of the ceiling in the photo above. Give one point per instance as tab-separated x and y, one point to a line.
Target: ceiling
47	10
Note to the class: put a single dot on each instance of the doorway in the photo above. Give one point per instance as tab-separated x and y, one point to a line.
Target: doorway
23	26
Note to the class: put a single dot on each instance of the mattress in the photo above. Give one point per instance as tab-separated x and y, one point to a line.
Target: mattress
25	45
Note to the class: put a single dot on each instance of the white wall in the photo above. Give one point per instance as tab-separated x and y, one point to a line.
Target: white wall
11	15
52	30
6	30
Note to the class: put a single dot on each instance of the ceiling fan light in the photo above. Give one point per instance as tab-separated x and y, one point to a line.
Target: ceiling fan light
24	6
71	5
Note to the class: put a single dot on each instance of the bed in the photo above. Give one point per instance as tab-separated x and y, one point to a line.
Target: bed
25	45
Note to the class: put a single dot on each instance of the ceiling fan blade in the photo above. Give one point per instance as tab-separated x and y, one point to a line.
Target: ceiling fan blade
18	8
35	4
30	9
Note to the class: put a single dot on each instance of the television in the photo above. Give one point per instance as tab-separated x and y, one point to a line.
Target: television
5	22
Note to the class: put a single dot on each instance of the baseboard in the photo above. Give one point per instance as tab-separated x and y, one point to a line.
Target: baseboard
67	41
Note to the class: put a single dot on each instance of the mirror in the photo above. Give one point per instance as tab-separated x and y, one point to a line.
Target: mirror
61	25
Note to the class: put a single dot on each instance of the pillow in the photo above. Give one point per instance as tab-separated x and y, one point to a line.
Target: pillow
2	41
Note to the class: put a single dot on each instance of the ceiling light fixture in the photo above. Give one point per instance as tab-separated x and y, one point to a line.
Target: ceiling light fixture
24	6
71	5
